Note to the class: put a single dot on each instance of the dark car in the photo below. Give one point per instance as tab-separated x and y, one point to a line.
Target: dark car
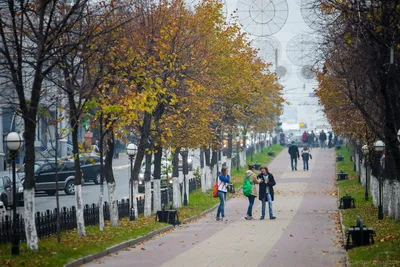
6	191
296	139
18	185
45	179
90	165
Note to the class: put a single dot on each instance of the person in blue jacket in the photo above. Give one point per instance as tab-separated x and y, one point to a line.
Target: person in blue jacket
223	180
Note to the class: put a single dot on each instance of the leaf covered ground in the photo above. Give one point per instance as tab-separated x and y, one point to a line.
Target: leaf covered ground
386	250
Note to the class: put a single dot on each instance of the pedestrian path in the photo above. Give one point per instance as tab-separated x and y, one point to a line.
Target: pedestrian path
304	233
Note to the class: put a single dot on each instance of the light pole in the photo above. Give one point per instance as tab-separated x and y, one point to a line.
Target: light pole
358	145
365	151
14	142
379	148
185	169
131	150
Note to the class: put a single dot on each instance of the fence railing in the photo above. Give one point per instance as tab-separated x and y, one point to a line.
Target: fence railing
46	222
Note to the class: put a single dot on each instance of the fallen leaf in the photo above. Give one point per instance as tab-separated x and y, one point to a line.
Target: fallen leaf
143	249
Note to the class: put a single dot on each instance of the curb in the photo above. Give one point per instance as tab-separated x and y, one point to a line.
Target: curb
121	167
121	246
343	227
116	248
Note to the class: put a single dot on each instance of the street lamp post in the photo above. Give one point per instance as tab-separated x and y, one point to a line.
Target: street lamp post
365	151
14	142
379	148
131	150
359	160
185	169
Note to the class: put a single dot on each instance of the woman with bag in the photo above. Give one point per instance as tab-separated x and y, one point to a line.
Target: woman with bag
223	180
250	179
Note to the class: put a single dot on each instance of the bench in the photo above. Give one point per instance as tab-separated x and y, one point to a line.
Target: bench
360	235
339	158
168	216
342	176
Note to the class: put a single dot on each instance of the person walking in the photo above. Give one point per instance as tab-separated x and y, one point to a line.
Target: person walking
322	138
305	155
252	177
304	137
223	180
330	140
294	155
266	191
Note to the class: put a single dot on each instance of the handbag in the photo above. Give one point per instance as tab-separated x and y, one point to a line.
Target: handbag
215	189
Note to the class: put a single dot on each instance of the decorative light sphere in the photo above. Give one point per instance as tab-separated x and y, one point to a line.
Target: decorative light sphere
379	146
365	149
131	149
13	141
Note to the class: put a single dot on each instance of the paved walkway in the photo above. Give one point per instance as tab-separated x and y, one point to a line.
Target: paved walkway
304	233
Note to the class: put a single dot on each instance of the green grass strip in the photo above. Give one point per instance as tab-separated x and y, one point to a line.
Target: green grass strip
386	250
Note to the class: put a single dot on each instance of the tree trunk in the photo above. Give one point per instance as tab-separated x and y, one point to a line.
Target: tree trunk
207	156
144	138
157	177
201	158
175	163
78	174
29	182
110	178
147	185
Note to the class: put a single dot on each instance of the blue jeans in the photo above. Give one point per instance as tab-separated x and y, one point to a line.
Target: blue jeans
263	201
305	165
293	162
221	208
251	203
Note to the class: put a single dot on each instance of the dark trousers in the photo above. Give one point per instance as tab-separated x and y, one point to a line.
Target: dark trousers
293	163
305	165
251	203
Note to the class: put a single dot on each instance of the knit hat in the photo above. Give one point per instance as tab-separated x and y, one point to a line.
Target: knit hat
248	173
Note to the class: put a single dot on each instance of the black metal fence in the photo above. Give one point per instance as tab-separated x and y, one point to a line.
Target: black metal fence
46	222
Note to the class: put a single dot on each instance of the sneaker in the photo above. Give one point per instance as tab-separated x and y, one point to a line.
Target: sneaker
217	219
261	218
248	217
272	218
224	219
295	169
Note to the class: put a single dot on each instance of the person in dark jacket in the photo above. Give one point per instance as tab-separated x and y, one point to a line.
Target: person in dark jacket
294	155
322	138
305	155
266	191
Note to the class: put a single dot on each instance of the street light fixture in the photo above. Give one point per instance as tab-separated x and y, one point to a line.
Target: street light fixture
379	148
185	169
131	150
14	142
365	151
398	135
358	144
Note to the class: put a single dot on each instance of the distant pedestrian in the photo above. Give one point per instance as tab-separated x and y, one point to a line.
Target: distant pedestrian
322	138
223	180
305	155
330	140
294	155
251	176
312	144
266	191
304	137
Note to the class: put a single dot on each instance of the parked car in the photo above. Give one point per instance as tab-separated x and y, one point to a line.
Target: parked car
2	209
90	165
45	176
6	176
6	191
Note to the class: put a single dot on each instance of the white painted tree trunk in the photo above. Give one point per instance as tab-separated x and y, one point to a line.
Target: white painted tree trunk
187	187
113	204
203	181
134	199
101	208
147	198
79	211
30	226
242	155
157	195
176	193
